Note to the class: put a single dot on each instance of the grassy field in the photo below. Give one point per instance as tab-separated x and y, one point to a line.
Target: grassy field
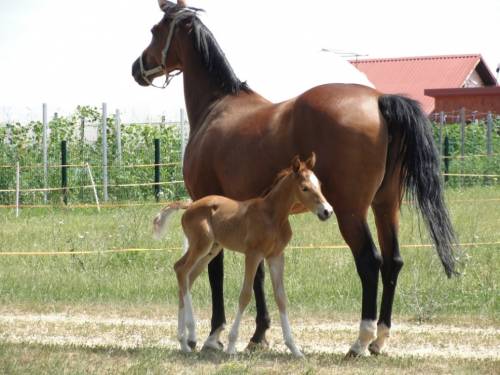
38	359
319	282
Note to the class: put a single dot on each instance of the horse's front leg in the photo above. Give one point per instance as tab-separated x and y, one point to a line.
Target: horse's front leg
218	322
263	322
252	261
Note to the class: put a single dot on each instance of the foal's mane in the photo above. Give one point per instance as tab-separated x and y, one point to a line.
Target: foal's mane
212	56
280	176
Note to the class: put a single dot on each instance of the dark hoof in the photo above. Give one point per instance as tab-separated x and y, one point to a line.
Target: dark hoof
374	350
257	346
213	347
192	345
351	354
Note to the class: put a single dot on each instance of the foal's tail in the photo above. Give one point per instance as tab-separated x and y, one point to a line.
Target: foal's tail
421	178
160	222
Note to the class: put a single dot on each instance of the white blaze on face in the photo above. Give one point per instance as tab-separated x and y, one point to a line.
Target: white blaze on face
324	205
314	180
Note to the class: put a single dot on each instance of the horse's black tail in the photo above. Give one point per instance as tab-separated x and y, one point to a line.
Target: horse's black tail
421	177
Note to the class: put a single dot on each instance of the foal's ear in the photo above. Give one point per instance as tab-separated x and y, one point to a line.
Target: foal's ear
311	162
296	164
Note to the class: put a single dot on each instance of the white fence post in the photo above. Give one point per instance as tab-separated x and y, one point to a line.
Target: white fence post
118	130
44	152
18	187
104	151
93	186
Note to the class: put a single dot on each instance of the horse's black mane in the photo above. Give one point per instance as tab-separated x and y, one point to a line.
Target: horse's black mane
212	55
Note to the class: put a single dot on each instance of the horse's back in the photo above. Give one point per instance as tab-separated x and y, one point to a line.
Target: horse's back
343	125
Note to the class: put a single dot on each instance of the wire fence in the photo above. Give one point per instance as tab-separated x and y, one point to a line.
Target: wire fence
177	248
68	161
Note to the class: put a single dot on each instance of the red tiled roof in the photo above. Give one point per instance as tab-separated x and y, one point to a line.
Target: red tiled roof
412	75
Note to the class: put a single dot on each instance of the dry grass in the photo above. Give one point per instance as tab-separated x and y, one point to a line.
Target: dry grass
101	340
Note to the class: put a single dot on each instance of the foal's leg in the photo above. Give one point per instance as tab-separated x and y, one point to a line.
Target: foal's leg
251	263
387	221
212	341
276	268
183	268
356	233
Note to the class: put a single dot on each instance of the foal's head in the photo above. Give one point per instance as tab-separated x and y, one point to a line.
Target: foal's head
308	188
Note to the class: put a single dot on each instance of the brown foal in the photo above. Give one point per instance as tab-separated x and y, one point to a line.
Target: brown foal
259	228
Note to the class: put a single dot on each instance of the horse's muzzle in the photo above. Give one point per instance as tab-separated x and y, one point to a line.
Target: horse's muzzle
137	74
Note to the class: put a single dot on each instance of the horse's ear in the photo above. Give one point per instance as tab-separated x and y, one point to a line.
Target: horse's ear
296	164
311	162
181	3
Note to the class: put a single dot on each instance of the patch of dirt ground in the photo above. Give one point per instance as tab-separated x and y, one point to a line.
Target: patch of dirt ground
314	335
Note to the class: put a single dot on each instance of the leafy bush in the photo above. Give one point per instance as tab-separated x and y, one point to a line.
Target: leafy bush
23	144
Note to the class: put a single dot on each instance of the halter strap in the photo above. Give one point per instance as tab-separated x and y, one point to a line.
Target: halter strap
162	68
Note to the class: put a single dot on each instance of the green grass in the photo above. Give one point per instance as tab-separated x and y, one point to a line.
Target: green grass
319	280
37	359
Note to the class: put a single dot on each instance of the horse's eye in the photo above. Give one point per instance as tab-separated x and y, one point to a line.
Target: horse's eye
305	188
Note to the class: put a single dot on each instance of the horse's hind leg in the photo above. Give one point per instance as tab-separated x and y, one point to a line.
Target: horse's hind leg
387	221
218	321
251	263
276	268
356	233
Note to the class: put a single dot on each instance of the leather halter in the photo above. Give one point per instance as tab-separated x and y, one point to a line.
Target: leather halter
145	74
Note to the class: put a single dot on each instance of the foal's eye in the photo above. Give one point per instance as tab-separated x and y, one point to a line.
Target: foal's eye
305	189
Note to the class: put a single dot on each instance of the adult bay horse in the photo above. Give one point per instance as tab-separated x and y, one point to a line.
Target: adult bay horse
371	149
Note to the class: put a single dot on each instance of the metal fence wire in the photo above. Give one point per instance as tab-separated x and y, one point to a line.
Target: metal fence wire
141	162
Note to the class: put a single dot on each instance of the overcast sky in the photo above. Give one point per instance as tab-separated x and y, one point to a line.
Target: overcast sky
67	52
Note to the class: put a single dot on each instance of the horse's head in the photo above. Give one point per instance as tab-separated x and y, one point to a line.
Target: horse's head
161	56
308	188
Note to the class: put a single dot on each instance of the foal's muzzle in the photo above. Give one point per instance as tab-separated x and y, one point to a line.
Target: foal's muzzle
324	212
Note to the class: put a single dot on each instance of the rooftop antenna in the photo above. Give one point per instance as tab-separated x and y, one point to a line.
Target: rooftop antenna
345	54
